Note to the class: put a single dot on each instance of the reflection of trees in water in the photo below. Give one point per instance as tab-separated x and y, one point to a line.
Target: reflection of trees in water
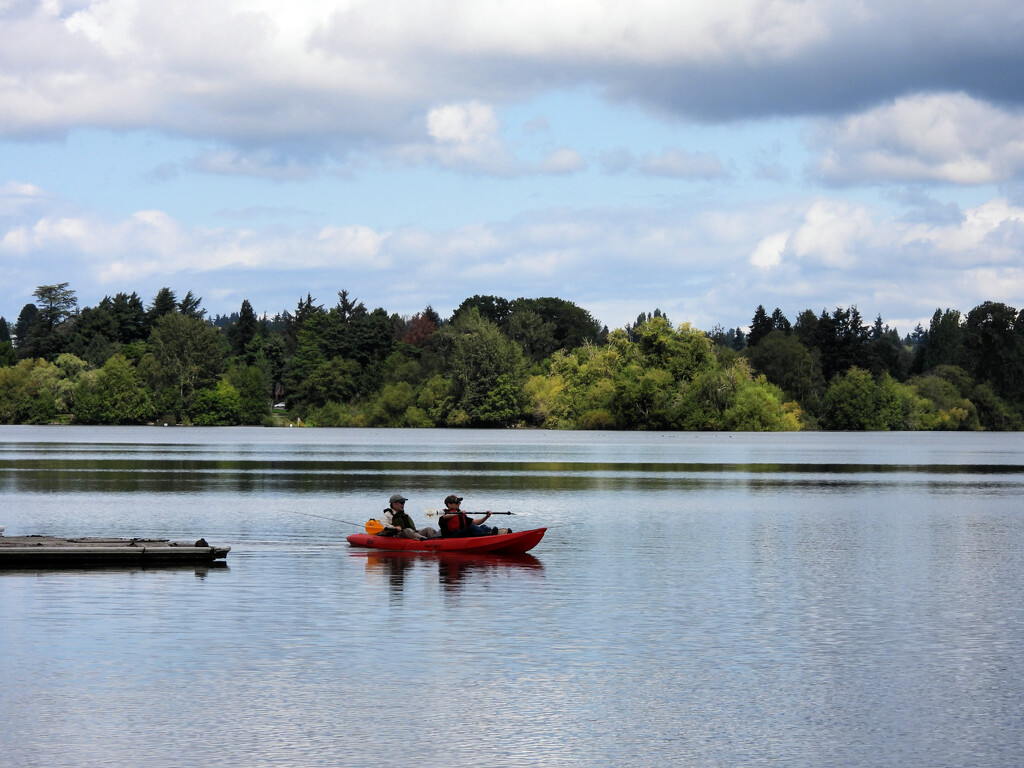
452	569
178	469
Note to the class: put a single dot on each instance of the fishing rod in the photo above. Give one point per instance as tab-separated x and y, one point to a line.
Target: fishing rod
325	517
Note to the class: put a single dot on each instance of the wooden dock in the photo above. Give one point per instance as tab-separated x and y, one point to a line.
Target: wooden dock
92	552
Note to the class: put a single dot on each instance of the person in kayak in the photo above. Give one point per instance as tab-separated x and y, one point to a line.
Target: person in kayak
455	523
397	522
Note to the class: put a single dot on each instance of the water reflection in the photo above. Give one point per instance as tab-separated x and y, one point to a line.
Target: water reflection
200	571
452	567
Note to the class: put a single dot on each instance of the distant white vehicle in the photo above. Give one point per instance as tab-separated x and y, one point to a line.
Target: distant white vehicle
279	405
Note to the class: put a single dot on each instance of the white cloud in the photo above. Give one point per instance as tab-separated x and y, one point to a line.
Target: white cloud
461	137
344	72
948	137
992	231
672	163
562	161
768	252
265	163
833	232
467	137
683	165
706	265
16	198
463	125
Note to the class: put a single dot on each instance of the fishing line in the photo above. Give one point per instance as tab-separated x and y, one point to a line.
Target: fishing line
324	517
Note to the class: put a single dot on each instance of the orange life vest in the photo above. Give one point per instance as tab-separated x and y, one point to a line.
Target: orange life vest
454	521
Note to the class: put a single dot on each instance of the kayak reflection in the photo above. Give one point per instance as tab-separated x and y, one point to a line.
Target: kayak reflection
452	567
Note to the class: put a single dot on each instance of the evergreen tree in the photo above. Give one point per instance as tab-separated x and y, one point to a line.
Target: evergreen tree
164	303
945	341
788	364
56	304
349	310
293	324
189	306
780	322
995	349
129	317
7	354
806	329
760	326
23	326
244	331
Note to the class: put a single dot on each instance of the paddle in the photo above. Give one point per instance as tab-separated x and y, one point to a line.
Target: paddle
374	527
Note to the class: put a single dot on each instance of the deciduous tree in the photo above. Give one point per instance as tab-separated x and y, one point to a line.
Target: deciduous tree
486	369
185	355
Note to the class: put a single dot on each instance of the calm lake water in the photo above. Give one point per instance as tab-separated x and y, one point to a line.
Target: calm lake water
698	600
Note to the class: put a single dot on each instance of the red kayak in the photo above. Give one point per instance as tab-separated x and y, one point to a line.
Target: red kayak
502	543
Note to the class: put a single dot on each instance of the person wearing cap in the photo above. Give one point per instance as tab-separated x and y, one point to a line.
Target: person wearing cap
455	523
397	522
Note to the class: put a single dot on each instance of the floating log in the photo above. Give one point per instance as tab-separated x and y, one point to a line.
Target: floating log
96	552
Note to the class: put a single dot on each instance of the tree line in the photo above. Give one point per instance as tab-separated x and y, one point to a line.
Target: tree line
541	362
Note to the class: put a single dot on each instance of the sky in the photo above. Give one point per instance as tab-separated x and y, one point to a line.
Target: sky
694	156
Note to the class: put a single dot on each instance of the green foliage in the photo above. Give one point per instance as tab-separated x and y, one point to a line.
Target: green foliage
336	415
788	364
532	333
760	326
250	382
945	341
942	407
219	406
685	352
42	327
757	407
734	399
642	398
242	334
28	392
334	380
993	412
545	362
486	369
855	401
185	355
164	303
22	327
112	395
395	406
391	404
434	399
540	326
994	341
7	354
